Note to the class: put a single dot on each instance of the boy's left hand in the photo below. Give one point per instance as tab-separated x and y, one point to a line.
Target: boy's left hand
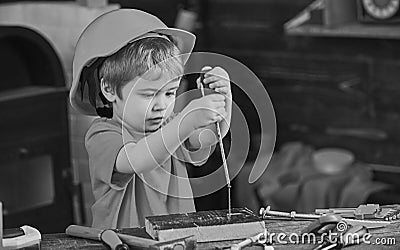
218	80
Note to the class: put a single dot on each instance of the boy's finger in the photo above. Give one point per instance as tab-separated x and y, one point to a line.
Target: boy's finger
221	117
218	71
218	119
211	78
224	90
221	111
219	105
206	68
218	83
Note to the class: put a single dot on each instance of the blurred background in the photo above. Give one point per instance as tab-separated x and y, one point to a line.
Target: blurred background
331	68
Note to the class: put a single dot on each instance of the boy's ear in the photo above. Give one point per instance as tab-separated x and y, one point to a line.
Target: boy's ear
107	90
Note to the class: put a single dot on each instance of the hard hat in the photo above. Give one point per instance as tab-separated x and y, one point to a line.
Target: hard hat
110	32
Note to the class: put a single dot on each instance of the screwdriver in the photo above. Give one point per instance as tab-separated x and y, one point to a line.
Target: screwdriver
221	145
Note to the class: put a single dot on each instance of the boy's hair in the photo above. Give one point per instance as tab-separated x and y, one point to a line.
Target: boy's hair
160	55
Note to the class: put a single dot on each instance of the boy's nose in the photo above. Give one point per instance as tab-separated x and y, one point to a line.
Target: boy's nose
160	104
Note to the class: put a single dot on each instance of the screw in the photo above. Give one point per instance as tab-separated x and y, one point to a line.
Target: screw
264	212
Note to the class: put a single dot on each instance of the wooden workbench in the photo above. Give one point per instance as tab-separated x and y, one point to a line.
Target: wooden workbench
287	227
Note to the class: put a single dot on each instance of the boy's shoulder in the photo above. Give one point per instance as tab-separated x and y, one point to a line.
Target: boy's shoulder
101	124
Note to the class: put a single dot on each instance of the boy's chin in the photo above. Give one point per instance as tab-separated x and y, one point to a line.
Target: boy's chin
152	129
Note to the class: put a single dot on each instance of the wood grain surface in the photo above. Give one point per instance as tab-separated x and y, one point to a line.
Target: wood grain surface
205	226
202	218
286	227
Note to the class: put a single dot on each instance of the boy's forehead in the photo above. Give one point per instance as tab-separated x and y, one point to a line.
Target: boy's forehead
163	82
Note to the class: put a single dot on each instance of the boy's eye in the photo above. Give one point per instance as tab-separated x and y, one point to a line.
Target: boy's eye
148	95
172	93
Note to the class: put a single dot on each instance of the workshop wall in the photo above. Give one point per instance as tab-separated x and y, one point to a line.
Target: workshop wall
308	78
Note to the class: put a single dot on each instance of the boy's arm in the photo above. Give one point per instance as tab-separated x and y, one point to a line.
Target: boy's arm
154	149
204	138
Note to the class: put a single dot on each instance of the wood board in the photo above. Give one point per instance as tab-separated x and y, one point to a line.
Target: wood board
205	226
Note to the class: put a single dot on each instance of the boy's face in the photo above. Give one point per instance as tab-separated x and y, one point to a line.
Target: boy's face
146	102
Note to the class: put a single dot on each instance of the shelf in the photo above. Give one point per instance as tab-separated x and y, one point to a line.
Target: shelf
353	30
28	91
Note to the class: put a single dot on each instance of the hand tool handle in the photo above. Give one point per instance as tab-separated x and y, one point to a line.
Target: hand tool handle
109	237
95	234
112	240
84	232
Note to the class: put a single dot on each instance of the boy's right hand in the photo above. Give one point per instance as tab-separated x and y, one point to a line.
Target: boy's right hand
204	111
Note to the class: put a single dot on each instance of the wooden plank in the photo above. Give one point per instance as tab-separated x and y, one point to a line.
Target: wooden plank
205	225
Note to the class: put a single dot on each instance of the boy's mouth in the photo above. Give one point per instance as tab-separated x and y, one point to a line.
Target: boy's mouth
156	119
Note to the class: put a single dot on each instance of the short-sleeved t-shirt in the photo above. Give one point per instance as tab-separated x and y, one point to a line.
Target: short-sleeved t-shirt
124	200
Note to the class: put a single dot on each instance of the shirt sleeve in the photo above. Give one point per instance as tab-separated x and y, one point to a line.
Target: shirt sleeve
183	153
103	142
196	157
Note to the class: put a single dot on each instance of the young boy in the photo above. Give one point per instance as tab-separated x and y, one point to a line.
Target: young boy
127	69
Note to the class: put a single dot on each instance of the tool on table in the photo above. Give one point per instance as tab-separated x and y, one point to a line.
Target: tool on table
265	212
335	232
18	238
260	238
268	213
12	232
112	240
370	224
221	145
109	237
351	236
368	211
23	237
323	224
